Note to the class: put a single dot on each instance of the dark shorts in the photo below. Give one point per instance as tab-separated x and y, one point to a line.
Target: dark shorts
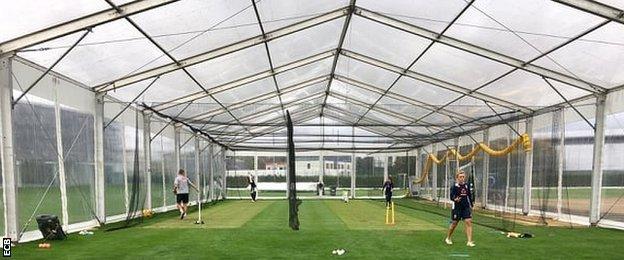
388	197
182	198
461	213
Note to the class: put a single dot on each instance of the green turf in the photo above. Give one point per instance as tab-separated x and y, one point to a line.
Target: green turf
365	215
230	215
241	229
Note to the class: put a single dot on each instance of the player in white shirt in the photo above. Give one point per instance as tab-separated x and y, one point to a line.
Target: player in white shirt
181	189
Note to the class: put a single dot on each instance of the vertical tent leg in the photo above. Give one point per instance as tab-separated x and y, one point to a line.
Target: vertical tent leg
211	185
162	169
197	168
457	164
434	175
100	186
256	171
125	168
8	160
417	169
528	171
147	151
486	170
61	159
447	193
176	146
596	177
353	176
223	176
322	172
508	172
473	173
560	160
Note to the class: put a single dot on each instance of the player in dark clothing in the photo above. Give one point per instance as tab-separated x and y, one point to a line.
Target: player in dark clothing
387	189
253	188
462	207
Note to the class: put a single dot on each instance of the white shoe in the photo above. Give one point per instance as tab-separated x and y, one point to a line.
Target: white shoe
448	241
470	244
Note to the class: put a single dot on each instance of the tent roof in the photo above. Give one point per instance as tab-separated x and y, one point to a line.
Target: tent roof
363	74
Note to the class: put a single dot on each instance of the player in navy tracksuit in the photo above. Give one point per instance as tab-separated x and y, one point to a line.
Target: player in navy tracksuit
387	188
253	188
462	207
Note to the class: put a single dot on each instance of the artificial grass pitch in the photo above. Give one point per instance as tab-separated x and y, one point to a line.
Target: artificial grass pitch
242	229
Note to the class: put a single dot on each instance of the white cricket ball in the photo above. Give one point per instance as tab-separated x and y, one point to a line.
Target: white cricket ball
341	252
334	252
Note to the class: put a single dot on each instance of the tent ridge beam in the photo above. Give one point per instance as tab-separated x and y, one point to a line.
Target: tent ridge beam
268	54
605	11
85	22
343	34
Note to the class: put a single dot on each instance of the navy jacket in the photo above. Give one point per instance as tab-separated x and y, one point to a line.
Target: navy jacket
387	187
463	192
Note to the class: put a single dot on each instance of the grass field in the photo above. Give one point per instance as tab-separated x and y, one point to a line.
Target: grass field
241	229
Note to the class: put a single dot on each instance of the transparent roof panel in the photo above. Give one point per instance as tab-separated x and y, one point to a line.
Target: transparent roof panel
354	92
32	17
223	118
165	88
382	42
345	106
231	67
382	39
458	67
521	29
432	15
130	92
193	109
401	107
188	28
475	108
382	130
254	108
110	51
383	117
304	92
422	91
527	89
246	91
275	14
309	71
414	129
364	72
338	114
305	43
596	57
439	121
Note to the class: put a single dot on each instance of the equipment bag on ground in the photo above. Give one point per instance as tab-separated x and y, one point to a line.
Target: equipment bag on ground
50	227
